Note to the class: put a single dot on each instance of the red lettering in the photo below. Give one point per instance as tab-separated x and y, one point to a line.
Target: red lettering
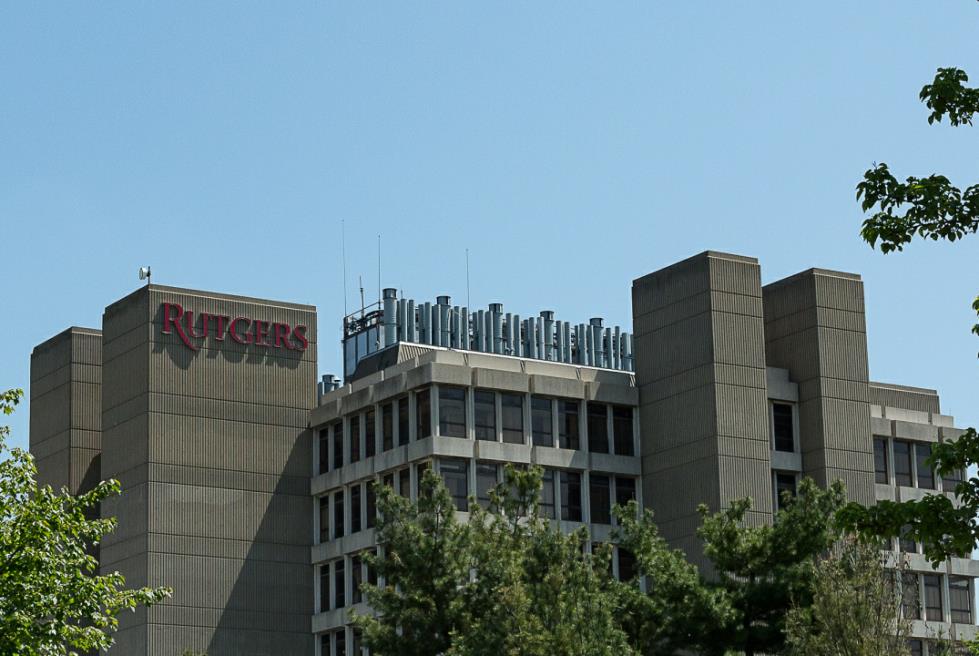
219	328
299	333
233	331
261	332
281	332
189	317
171	319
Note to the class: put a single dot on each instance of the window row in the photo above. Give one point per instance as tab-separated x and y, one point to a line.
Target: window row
923	596
341	580
334	643
496	417
564	494
903	463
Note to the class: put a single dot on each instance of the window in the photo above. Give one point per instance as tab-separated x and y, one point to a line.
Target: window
372	503
339	599
960	599
950	480
627	564
423	413
370	434
622	430
601	500
372	572
404	423
355	438
387	427
388	480
910	602
454	473
404	483
933	597
486	479
906	544
902	463
324	588
541	421
341	643
597	428
568	424
512	405
452	411
625	490
324	519
324	447
337	445
355	508
571	496
356	578
880	461
926	477
420	470
325	644
916	647
782	427
338	514
547	494
484	406
784	483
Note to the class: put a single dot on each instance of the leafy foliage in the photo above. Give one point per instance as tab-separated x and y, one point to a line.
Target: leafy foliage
677	609
505	582
52	600
855	609
948	96
765	570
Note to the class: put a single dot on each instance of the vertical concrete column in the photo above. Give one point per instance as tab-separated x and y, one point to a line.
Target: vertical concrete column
700	369
815	327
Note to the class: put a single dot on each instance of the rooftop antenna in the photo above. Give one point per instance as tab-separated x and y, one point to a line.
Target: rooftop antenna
361	280
343	255
468	304
145	273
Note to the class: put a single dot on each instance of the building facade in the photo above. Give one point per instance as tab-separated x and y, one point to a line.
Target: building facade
248	487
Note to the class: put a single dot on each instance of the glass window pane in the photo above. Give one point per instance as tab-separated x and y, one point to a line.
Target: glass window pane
404	431
355	438
356	578
926	477
338	514
902	463
324	519
454	474
452	411
880	460
950	480
541	422
371	504
486	479
625	490
933	597
324	448
341	643
782	427
337	445
601	501
404	483
916	647
484	405
571	496
784	483
423	410
622	430
627	564
568	424
324	588
370	434
597	428
960	599
512	406
547	494
355	508
339	599
387	426
910	599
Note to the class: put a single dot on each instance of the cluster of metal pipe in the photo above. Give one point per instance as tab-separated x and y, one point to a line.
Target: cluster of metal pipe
493	331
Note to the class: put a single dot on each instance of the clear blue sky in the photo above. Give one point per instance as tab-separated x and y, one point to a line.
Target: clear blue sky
570	146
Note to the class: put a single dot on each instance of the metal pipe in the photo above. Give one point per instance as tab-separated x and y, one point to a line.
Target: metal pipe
496	312
559	330
411	322
464	328
488	332
517	344
390	319
508	334
596	341
547	334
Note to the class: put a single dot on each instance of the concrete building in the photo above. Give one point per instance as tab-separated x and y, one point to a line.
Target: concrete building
247	486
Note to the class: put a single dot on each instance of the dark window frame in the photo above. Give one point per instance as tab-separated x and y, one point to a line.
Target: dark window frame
569	424
781	421
597	424
571	491
452	409
600	498
541	421
903	455
623	430
423	413
510	429
881	470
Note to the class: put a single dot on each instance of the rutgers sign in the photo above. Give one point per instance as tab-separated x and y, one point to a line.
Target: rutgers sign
242	330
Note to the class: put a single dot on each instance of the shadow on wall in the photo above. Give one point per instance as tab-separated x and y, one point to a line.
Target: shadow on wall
185	336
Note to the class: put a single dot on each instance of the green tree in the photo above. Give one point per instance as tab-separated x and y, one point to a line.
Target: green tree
505	582
765	570
52	600
927	208
676	609
855	609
